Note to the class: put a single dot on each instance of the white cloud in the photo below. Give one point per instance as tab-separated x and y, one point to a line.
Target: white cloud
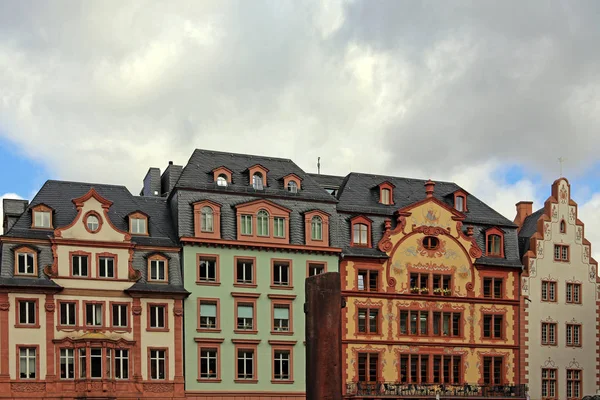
589	214
2	197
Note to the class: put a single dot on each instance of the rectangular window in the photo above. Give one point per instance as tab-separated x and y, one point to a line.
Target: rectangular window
27	312
281	318
279	227
119	315
245	272
208	315
573	335
492	288
157	270
549	333
96	363
121	364
26	263
419	283
246	222
207	269
573	384
367	367
441	285
79	265
492	370
157	364
574	293
208	362
93	314
281	365
446	324
245	316
42	219
245	364
106	267
548	291
27	363
548	383
82	363
138	226
561	252
315	269
413	322
368	280
368	320
157	317
67	363
67	314
281	273
492	326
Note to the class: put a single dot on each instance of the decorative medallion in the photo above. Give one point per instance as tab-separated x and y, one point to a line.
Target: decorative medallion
572	215
437	251
592	273
50	306
554	212
574	365
578	234
532	268
4	306
563	195
540	249
137	310
525	287
547	231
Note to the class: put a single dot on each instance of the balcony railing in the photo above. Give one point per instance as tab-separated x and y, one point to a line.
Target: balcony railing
390	389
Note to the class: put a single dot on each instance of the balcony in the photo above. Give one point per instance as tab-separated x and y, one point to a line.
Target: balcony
392	390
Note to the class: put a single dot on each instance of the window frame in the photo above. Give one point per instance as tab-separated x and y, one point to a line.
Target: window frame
495	231
276	228
59	324
166	363
561	247
208	300
42	208
367	271
286	301
138	215
36	313
368	355
461	194
246	346
25	250
165	260
570	383
209	344
494	280
358	222
546	381
37	355
114	361
261	215
165	308
199	230
570	291
313	264
549	284
127	326
368	310
502	370
387	185
493	326
309	239
115	258
275	348
570	331
292	178
85	314
89	214
544	339
281	261
80	253
236	260
245	299
206	257
222	171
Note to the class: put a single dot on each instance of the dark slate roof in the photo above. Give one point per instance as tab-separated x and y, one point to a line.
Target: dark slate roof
197	174
29	283
328	180
528	229
59	195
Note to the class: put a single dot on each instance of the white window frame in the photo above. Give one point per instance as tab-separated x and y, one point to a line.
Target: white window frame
156	311
122	361
280	357
39	221
103	263
97	316
68	355
27	256
156	356
70	311
79	265
26	355
121	311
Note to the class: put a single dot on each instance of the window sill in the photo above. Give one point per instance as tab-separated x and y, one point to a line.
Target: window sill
550	344
208	283
157	329
23	275
209	330
494	339
245	285
245	380
245	332
207	380
282	287
27	326
119	329
549	301
281	382
573	346
282	333
164	282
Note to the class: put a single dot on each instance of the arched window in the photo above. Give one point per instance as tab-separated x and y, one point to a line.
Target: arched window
385	196
292	187
207	219
360	234
494	245
257	181
222	180
563	226
316	228
460	203
430	242
262	223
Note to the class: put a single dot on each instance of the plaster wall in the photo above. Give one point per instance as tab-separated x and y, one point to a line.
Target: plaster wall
26	336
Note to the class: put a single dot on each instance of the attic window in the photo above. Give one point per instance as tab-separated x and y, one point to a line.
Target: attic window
138	224
292	187
92	222
385	196
222	180
42	217
460	201
257	181
386	193
494	245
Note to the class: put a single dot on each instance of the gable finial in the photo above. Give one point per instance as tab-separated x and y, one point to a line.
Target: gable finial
561	160
318	165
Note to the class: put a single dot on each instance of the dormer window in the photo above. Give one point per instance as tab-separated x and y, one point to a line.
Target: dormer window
386	193
316	228
258	176
138	224
222	176
316	225
460	201
257	181
291	183
207	219
222	181
262	223
360	234
292	187
25	261
361	231
42	217
158	268
385	196
494	245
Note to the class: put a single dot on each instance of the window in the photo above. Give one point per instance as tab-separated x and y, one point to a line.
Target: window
549	333
492	370
158	268
315	269
208	314
281	273
492	326
26	260
157	317
208	363
82	363
67	363
138	226
494	245
262	223
93	314
106	267
442	285
413	322
96	362
281	318
282	365
121	364
316	228
368	280
68	314
158	364
27	312
368	366
574	293
257	181
27	363
207	269
42	219
430	242
563	226
279	227
549	383
245	316
246	224
573	383
92	223
573	335
548	291
447	323
245	364
414	368
206	218
292	187
385	196
79	265
492	288
419	282
368	320
120	315
561	252
244	272
222	180
459	203
360	234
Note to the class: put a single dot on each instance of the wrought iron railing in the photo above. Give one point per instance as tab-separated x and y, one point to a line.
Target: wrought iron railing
390	389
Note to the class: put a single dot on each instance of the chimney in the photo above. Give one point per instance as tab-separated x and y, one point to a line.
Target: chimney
152	183
524	209
12	209
429	188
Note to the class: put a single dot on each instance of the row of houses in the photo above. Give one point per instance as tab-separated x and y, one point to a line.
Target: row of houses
195	287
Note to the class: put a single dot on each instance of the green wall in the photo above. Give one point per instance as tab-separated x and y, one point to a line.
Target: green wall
263	310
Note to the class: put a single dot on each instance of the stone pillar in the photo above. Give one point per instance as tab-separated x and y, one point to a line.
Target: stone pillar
137	337
4	341
178	314
50	307
323	310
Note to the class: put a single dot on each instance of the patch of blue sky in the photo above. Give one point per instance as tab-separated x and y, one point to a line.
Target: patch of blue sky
18	173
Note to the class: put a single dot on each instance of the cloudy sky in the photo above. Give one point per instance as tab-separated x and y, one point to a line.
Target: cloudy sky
488	94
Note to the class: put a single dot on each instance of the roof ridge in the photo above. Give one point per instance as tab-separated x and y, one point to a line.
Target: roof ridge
85	183
242	155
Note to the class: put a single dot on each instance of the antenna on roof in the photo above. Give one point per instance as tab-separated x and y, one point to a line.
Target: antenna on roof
319	165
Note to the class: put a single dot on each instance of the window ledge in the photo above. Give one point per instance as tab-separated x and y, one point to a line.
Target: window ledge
157	329
27	326
245	380
208	330
245	285
206	283
282	287
245	332
206	380
282	333
281	382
